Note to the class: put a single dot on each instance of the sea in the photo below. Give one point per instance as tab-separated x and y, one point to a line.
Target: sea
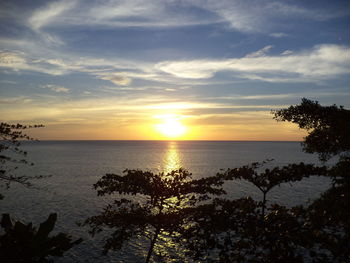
73	167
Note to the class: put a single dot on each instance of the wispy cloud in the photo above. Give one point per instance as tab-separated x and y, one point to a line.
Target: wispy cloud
259	16
18	61
87	110
124	13
12	60
278	35
240	15
284	9
47	14
116	78
60	64
287	52
260	53
322	62
316	64
55	88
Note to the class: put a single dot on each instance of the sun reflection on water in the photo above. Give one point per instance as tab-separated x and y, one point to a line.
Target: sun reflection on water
171	159
165	247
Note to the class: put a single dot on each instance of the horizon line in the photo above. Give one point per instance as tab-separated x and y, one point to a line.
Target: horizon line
168	140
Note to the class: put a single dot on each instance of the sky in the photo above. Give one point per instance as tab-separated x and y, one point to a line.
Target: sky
149	70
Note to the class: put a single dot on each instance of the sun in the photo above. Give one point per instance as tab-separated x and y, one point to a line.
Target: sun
171	127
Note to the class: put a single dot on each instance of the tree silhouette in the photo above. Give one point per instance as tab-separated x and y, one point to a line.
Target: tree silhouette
11	156
25	244
20	243
270	178
158	204
328	127
245	230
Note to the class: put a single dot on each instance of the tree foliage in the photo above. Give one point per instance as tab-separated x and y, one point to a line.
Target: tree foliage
234	231
157	204
270	178
245	230
11	155
329	129
328	126
23	243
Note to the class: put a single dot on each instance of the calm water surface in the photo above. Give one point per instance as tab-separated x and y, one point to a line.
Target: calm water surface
76	165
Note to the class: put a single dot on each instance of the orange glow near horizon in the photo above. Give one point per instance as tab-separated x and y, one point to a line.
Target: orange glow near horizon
169	124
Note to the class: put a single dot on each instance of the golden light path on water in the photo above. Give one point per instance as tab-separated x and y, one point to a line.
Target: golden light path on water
166	247
172	158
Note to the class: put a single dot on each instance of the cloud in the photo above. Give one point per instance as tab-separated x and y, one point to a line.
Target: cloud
116	78
19	61
261	16
47	14
278	35
60	64
122	13
260	53
319	14
55	88
88	109
278	97
287	52
252	16
321	62
312	65
12	60
245	16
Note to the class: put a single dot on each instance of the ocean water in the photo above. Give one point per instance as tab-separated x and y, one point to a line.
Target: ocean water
75	166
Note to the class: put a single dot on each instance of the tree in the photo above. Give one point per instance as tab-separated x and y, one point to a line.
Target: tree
11	156
271	178
22	243
245	230
158	204
25	244
328	127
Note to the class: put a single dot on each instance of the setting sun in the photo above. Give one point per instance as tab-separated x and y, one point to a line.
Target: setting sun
171	127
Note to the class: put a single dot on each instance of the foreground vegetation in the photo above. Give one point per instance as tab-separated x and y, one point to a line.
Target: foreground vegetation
210	228
19	242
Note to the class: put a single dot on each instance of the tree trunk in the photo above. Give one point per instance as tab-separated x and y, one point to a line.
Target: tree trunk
263	205
149	254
